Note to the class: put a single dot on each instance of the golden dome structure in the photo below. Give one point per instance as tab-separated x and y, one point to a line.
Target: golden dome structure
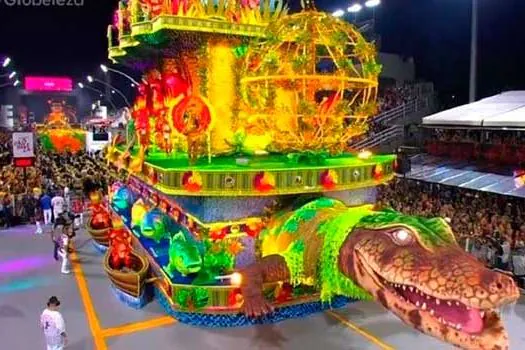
312	81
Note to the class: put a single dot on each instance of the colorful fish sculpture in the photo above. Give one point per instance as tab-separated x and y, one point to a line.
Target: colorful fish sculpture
184	255
154	225
138	212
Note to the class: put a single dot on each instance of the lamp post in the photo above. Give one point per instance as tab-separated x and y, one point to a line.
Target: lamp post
87	87
106	69
9	75
356	7
90	79
16	83
473	52
6	62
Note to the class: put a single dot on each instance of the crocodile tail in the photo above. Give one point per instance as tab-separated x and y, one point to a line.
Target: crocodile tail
273	241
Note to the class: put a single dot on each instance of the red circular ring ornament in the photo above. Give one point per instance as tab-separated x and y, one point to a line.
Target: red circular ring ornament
192	109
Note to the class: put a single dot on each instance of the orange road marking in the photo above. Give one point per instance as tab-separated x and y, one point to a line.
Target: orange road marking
138	326
93	321
360	331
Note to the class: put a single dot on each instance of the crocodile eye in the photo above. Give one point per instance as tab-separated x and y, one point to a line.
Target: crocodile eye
402	237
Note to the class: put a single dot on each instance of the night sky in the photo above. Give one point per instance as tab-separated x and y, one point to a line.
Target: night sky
72	41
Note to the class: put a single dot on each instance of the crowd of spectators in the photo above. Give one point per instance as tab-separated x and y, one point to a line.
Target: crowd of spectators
492	146
489	137
490	226
394	97
53	174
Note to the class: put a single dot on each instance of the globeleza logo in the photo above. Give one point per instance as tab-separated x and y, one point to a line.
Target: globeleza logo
42	3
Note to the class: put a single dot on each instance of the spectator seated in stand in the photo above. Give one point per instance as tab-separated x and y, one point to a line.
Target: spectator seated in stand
494	147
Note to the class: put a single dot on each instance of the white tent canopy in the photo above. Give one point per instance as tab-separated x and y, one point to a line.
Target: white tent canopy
504	110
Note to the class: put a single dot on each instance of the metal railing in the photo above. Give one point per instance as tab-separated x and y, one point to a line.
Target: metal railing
395	115
401	112
379	138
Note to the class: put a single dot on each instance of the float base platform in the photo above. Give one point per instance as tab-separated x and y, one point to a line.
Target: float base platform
216	313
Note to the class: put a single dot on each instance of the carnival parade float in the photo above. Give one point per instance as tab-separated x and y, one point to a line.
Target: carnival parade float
56	134
243	200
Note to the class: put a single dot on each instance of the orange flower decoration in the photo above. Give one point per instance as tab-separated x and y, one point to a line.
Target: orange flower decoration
264	182
192	181
235	247
329	179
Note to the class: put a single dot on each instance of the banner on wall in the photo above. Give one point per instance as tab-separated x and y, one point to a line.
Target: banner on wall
7	116
23	145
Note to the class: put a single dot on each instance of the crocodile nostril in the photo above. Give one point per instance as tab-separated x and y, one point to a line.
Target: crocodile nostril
499	285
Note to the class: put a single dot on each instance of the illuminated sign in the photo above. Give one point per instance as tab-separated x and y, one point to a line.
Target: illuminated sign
48	84
23	162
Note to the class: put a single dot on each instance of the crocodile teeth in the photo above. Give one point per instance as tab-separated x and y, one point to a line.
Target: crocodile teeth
431	312
424	306
404	287
457	303
417	303
482	313
411	289
437	302
458	327
449	303
428	297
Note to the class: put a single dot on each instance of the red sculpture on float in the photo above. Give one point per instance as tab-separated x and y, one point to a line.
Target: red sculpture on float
153	7
120	249
140	115
180	6
175	85
100	220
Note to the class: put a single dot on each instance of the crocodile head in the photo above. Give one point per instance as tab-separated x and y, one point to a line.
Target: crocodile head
415	269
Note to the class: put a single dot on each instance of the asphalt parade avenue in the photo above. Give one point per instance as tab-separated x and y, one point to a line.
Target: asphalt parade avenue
96	320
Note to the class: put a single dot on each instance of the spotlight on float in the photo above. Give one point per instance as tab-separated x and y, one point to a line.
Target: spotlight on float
90	78
80	85
104	68
355	8
6	62
373	3
16	83
12	75
364	155
236	279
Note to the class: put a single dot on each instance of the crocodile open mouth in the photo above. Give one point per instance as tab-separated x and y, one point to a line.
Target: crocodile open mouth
447	312
451	313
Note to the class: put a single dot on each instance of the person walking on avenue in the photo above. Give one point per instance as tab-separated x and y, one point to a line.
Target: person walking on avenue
45	204
58	205
53	325
62	240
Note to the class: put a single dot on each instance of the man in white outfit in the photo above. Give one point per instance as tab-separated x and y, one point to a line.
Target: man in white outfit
53	325
58	205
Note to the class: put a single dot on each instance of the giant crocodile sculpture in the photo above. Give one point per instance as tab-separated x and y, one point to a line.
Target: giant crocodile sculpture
411	265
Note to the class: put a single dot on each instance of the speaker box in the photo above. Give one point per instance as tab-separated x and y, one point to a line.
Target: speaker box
403	164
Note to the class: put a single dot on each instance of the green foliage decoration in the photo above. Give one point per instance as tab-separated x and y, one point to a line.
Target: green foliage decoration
332	281
192	299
